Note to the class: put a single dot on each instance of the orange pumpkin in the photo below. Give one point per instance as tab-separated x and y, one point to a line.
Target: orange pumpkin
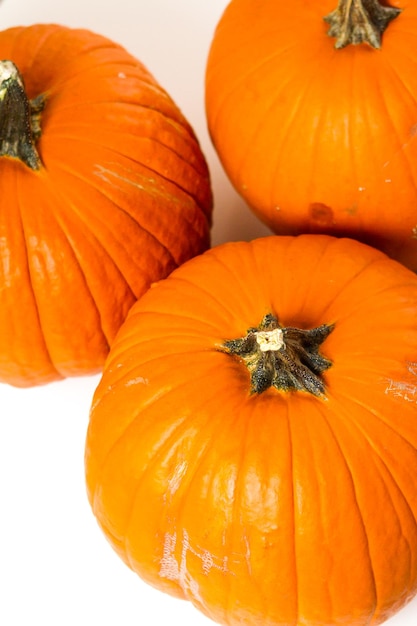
252	445
104	190
316	133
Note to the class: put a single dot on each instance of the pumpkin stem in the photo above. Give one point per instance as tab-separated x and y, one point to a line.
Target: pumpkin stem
19	118
359	21
285	358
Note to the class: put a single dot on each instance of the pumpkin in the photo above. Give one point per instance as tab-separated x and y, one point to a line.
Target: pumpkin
252	443
104	190
312	110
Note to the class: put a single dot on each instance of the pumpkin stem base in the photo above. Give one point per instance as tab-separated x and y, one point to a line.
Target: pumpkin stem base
285	358
19	118
359	21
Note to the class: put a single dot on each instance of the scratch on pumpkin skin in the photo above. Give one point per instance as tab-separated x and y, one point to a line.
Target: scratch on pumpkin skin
139	380
248	555
171	569
5	262
109	175
405	390
147	184
403	147
176	478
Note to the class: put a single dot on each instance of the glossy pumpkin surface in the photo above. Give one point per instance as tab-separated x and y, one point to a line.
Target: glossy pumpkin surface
120	196
275	507
318	138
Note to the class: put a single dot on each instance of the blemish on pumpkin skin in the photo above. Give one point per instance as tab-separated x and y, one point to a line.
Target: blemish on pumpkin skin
403	147
404	389
321	213
139	380
112	178
176	569
413	130
351	210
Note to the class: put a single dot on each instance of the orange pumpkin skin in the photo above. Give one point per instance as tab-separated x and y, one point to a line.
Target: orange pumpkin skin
122	197
317	139
272	508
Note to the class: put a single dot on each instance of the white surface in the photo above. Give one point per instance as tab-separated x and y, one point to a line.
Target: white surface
56	569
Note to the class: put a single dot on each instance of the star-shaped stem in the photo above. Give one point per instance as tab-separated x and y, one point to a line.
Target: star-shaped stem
282	357
359	21
19	118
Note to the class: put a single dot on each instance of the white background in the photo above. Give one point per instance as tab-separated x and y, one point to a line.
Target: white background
56	568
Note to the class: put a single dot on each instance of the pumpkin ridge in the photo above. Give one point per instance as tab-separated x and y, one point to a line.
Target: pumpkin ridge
37	44
91	43
161	452
41	336
58	76
72	208
315	270
237	498
163	448
400	150
214	255
285	131
93	301
188	140
349	470
314	139
239	482
64	82
200	453
377	416
115	261
376	450
170	113
193	198
399	76
238	80
353	421
366	299
405	157
99	188
164	194
135	218
295	580
210	330
31	286
206	292
351	281
390	488
128	374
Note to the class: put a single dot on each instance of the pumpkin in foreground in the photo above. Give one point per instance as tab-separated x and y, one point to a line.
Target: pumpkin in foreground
312	108
104	190
252	445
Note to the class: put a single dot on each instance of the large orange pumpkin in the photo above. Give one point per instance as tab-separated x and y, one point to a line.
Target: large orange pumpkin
104	189
316	133
252	445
